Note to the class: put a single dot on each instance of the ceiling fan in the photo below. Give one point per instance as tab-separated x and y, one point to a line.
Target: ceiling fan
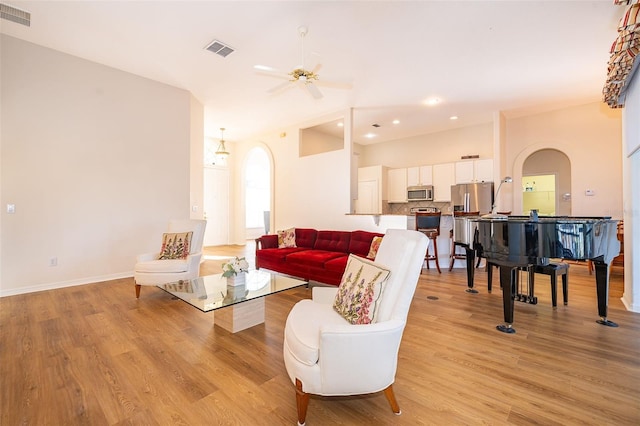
307	80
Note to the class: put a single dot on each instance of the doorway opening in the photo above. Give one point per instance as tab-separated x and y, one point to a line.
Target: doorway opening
539	193
546	183
257	193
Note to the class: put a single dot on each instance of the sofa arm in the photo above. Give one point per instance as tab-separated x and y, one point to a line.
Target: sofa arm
266	241
324	295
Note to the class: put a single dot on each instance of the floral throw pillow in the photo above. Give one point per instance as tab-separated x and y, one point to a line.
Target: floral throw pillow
175	245
287	238
360	290
375	245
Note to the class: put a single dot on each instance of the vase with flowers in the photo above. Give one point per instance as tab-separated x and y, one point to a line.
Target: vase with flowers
235	271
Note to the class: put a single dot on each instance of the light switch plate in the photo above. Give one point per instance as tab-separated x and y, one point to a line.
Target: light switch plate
11	208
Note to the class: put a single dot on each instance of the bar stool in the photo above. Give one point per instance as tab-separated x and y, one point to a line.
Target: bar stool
454	254
429	224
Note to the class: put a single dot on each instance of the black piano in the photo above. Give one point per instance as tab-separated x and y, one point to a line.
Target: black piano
522	241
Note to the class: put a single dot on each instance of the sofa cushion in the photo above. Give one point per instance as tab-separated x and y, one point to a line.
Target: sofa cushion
306	237
175	245
333	241
303	329
360	243
312	258
168	266
373	250
279	254
360	290
287	238
338	264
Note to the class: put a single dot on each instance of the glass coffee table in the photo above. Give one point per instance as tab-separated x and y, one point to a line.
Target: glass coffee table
244	303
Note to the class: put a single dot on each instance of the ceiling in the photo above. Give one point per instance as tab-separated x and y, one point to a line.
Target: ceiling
476	57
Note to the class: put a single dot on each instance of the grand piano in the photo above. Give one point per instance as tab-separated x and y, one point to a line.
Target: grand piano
521	241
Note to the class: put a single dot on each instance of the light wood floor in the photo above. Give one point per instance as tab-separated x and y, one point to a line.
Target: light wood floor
94	355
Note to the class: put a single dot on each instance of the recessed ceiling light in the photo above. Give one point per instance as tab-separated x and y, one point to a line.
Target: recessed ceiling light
453	117
396	122
340	124
370	135
432	101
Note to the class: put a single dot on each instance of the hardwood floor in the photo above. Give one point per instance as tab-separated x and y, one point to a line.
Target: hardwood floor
95	355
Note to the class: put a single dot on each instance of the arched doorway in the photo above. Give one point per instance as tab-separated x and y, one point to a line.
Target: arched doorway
257	192
546	183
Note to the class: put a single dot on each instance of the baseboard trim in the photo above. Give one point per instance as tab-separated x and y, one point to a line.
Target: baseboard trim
63	284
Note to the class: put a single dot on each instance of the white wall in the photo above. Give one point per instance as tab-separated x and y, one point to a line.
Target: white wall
631	169
96	161
434	148
590	136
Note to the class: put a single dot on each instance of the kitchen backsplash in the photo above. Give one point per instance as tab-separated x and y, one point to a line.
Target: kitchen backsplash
405	208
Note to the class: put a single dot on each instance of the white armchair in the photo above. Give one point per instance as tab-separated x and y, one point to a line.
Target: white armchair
151	271
326	355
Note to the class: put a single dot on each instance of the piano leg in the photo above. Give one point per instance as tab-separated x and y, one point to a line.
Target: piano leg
602	289
470	269
507	281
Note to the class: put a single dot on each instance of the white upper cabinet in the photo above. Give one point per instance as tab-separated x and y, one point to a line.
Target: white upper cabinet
474	171
444	175
464	172
422	175
484	170
397	185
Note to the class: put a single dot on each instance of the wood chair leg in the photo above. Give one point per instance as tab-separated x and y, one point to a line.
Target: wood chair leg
388	392
138	291
302	402
435	254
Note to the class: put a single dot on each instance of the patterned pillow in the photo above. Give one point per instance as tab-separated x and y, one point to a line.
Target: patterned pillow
175	245
375	245
360	290
287	238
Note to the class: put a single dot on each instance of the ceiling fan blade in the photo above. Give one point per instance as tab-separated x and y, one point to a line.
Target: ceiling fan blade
280	87
272	73
316	68
314	91
334	84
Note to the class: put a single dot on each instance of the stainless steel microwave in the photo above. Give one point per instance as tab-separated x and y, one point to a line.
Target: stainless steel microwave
420	193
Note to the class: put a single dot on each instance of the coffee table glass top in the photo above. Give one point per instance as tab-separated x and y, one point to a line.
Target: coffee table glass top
212	292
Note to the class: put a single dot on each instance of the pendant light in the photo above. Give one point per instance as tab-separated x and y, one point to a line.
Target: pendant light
222	152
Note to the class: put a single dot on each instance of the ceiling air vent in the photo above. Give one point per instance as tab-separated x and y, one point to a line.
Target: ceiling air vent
219	48
10	13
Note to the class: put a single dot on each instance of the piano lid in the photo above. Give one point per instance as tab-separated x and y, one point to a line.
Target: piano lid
521	241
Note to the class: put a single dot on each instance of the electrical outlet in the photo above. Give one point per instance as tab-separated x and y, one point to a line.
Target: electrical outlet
53	261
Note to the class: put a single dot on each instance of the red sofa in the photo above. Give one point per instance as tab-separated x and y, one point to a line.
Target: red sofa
318	256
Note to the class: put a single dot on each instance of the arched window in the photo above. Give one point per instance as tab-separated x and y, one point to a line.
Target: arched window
257	191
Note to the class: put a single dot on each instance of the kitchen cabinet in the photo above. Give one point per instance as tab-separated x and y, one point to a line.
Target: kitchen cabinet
397	185
464	172
422	175
483	170
444	175
474	171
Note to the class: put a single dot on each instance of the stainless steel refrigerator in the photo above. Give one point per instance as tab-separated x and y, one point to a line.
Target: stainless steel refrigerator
472	197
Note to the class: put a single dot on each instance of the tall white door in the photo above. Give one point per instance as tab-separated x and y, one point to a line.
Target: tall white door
368	201
216	206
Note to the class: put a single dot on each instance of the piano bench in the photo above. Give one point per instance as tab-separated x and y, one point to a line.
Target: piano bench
553	270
